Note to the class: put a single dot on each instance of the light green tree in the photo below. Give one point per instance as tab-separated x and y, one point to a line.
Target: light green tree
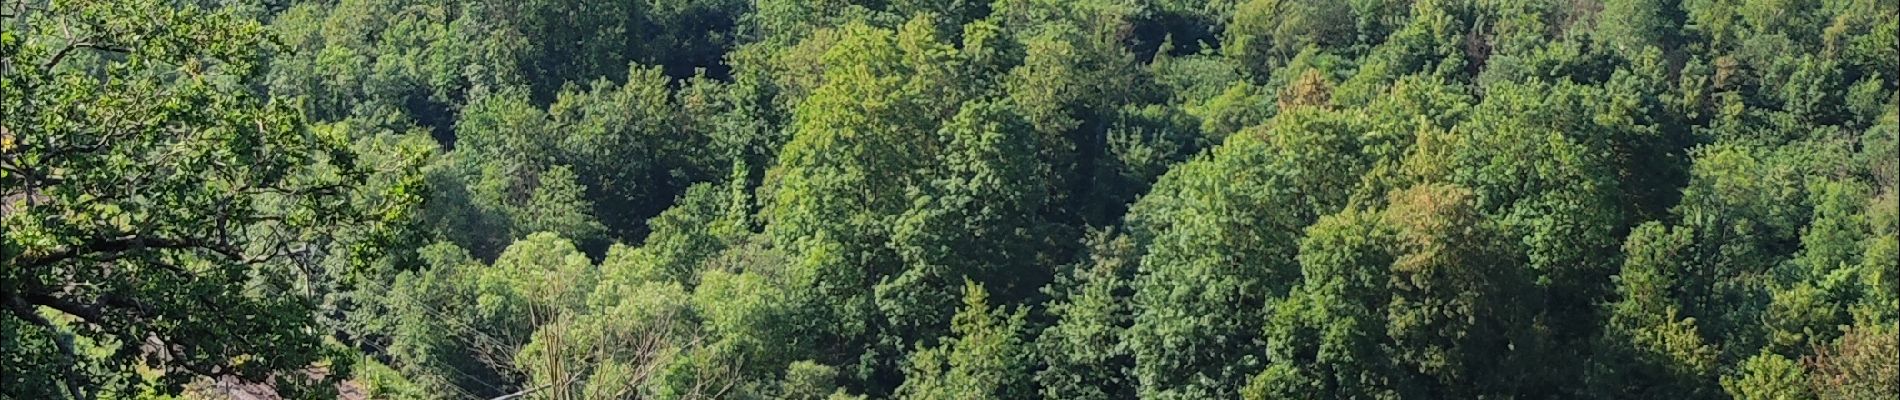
987	356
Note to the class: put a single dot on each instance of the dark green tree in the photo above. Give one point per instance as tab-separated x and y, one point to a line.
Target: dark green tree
1084	352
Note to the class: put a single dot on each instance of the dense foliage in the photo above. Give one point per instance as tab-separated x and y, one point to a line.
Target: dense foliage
950	199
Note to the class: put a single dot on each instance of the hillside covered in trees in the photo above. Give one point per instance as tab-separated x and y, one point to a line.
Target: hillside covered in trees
950	199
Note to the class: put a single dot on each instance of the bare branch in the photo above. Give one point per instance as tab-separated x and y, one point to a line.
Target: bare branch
88	313
108	245
519	394
65	51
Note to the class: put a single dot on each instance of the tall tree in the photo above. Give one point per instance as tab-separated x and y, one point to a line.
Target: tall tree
987	358
861	143
159	214
1221	236
977	220
1083	350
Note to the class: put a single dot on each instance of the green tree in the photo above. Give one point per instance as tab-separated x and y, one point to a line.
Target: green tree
1083	350
987	358
1544	162
615	350
1266	33
1768	376
160	215
1652	347
1746	213
436	335
555	42
1630	25
629	143
1420	299
684	237
861	142
1328	338
806	380
1069	86
780	198
978	220
1221	236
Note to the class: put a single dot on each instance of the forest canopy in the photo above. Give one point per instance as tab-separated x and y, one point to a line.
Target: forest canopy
949	199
